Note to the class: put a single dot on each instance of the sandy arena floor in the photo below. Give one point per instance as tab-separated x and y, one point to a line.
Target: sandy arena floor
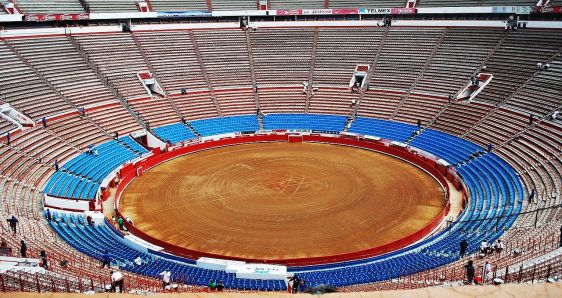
282	200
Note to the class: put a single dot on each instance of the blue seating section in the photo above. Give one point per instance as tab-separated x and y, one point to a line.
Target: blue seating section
93	241
80	177
385	129
304	121
495	193
450	148
64	184
136	147
174	133
496	196
222	125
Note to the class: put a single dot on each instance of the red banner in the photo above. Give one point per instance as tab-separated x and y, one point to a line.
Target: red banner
320	11
56	17
345	11
551	9
402	10
289	12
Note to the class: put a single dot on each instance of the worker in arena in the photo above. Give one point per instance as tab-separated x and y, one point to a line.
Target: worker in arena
469	268
166	278
116	281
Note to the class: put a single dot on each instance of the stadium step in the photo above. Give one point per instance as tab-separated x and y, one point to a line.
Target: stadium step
252	69
204	71
310	86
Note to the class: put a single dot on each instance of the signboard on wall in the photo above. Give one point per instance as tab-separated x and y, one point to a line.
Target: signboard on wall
394	10
327	11
56	17
345	11
512	9
182	14
551	9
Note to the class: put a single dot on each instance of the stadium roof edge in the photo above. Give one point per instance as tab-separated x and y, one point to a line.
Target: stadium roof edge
285	12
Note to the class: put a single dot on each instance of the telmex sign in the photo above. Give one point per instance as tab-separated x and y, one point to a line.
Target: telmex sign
395	10
343	11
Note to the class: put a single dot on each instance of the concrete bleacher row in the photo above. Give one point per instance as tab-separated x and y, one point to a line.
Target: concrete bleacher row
112	5
71	76
212	55
118	58
16	77
50	6
6	126
74	6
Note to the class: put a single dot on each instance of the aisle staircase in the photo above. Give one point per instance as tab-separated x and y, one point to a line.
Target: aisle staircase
204	71
428	62
309	90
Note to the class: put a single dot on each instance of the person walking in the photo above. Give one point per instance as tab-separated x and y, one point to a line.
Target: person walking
560	236
23	249
13	222
469	268
166	278
220	286
463	246
43	256
295	283
120	222
106	259
116	281
499	247
532	195
486	269
212	285
484	246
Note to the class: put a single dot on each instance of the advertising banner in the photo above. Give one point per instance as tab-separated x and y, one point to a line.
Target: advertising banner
551	9
345	11
289	12
327	11
512	9
316	11
181	14
394	10
375	10
56	17
402	10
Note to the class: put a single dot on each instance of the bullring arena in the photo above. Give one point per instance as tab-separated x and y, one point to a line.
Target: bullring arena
272	147
282	201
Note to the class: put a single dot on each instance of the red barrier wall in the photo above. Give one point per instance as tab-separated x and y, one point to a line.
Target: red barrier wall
129	173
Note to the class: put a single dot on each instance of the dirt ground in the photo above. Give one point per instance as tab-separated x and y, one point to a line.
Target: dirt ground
274	201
